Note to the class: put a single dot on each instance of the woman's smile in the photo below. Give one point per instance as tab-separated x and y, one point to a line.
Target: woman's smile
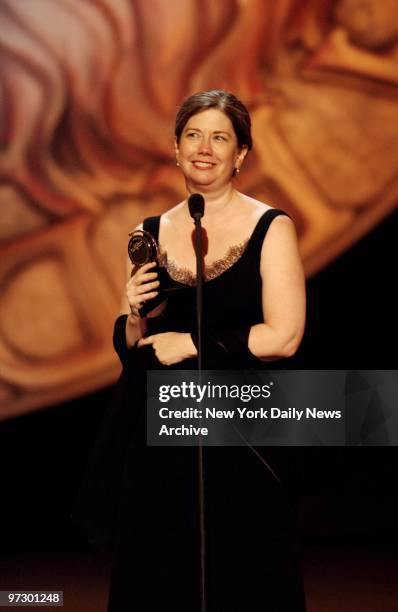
203	165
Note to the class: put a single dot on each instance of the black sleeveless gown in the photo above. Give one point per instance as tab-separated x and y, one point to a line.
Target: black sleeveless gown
143	501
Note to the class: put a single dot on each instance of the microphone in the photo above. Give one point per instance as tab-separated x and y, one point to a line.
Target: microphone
196	205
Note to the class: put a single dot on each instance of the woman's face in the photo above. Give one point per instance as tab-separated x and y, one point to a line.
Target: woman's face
208	150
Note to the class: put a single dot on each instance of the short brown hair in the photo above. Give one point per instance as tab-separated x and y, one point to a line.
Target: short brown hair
222	100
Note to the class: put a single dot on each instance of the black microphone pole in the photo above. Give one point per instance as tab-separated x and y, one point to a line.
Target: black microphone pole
196	204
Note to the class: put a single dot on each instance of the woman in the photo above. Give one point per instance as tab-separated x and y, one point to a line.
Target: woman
212	139
254	309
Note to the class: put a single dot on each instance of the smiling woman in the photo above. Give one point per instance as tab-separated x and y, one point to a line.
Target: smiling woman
208	152
254	297
226	122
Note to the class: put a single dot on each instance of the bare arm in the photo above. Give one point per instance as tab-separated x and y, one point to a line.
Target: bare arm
283	296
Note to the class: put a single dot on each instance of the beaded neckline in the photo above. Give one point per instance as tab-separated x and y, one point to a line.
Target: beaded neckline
219	266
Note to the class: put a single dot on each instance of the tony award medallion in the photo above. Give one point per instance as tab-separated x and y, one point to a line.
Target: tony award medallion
142	249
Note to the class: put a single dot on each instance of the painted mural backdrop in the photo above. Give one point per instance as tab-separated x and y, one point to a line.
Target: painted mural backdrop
89	89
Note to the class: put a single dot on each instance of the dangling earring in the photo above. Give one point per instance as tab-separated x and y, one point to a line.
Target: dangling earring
237	170
177	162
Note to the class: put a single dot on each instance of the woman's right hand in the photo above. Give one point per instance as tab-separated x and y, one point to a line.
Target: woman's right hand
141	287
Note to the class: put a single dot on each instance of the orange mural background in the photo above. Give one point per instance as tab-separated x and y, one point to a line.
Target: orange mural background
89	90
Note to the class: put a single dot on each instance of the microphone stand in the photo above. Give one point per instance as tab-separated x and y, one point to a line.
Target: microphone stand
196	205
199	287
199	322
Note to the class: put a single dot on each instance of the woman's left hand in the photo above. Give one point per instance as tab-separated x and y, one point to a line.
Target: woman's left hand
171	347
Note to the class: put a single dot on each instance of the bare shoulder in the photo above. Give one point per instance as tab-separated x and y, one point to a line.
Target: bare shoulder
173	214
280	246
282	225
254	207
167	217
258	208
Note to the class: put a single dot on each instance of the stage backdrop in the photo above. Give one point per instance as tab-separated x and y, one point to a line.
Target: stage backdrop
89	90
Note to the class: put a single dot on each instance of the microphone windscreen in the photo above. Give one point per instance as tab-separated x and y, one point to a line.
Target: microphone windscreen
196	205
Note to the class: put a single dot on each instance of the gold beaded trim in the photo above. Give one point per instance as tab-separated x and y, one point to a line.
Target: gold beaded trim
186	277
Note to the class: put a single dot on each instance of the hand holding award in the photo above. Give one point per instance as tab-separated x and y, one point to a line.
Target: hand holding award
143	250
